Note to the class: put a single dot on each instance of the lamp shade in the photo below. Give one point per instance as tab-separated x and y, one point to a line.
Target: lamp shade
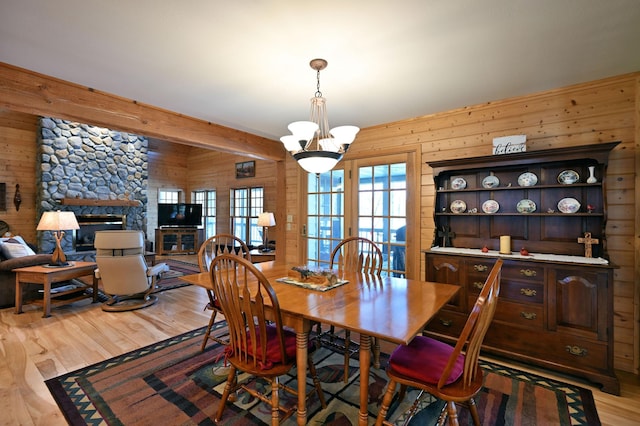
57	221
266	219
317	161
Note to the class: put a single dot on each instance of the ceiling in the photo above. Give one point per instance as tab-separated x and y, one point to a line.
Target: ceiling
245	63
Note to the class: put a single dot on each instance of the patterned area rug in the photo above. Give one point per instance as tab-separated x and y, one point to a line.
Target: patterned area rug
172	382
171	280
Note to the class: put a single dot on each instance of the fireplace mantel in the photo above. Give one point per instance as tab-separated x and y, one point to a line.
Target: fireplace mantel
99	203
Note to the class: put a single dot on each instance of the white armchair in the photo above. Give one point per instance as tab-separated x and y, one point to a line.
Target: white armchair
126	278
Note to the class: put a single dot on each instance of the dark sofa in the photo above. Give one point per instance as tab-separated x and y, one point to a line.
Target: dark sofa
8	278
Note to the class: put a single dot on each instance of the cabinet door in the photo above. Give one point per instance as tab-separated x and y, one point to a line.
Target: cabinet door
581	297
448	270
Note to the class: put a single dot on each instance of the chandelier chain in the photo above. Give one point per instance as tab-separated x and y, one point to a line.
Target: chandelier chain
318	92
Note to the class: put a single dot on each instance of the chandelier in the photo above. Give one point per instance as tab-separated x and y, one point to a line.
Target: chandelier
316	148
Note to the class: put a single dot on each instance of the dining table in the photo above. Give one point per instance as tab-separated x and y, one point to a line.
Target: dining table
392	309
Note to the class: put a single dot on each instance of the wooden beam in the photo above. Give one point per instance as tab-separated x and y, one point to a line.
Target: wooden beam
33	93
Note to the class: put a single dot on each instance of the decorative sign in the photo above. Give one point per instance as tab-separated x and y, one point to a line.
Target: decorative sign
509	144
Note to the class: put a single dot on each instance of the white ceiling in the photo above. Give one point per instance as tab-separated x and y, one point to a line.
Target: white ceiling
244	63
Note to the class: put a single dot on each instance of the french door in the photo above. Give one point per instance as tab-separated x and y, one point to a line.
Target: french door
366	198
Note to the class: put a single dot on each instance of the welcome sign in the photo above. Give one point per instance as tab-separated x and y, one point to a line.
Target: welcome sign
509	144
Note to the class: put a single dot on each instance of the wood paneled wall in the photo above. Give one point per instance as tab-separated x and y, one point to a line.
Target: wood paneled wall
18	166
174	166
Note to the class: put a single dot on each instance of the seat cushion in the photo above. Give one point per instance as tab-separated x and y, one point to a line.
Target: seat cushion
273	347
424	360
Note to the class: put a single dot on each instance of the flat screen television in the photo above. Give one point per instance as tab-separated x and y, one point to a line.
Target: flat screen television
179	214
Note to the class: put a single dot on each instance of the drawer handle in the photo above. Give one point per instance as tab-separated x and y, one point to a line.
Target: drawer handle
446	322
576	350
528	315
529	292
478	284
528	272
480	268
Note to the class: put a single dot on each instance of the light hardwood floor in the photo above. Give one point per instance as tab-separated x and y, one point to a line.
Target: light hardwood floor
33	349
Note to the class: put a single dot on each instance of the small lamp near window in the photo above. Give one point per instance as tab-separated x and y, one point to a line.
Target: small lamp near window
58	222
266	219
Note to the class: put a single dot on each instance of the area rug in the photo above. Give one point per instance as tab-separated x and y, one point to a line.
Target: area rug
173	382
171	279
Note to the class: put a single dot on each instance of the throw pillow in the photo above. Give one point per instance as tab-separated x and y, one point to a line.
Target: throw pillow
15	247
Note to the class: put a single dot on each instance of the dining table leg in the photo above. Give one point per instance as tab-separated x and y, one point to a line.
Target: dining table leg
302	351
365	362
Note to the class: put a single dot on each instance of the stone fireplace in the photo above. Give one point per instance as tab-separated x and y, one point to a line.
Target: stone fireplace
94	172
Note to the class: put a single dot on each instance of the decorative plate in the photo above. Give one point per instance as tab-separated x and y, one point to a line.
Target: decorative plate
458	183
490	206
527	179
567	177
526	206
458	206
490	182
568	205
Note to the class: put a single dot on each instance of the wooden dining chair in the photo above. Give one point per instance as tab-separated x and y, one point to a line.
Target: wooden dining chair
259	344
449	373
355	254
212	247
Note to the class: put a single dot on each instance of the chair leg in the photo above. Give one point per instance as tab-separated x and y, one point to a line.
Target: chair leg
386	402
474	412
376	352
275	402
316	382
453	413
347	352
225	394
208	332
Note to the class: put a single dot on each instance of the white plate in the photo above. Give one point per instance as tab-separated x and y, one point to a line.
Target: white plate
527	179
458	183
526	206
490	182
568	205
490	206
567	177
458	206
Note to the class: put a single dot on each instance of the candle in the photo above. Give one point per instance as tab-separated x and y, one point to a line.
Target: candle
505	244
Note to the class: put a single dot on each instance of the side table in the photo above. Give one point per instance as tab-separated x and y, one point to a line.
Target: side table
258	256
46	276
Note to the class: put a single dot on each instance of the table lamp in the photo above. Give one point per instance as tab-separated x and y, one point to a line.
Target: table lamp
58	222
266	219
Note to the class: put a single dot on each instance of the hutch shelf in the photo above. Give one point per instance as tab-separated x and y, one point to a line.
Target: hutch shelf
556	303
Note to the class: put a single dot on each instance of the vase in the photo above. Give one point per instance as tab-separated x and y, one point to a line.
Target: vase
592	177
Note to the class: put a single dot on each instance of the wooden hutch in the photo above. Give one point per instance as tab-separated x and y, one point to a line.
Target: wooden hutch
556	305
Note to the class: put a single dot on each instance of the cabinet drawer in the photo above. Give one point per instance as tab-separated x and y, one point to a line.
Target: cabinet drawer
577	352
519	314
448	322
522	292
526	273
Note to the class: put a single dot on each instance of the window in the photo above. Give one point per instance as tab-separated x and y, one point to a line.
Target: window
246	205
325	223
208	200
168	196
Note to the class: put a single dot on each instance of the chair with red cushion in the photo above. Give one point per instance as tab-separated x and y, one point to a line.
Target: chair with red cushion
213	246
448	373
355	254
259	345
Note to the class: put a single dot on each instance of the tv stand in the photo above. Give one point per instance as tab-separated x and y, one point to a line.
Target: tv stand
178	240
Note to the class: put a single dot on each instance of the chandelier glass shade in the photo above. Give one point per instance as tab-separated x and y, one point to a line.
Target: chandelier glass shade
315	146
